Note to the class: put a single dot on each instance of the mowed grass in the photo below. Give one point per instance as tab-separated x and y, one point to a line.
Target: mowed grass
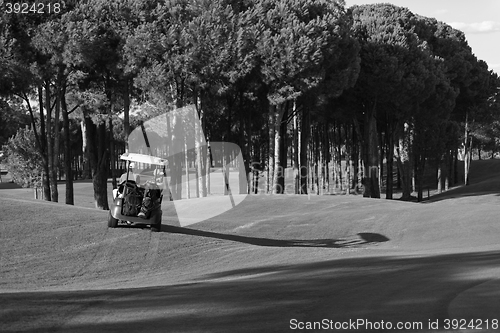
46	245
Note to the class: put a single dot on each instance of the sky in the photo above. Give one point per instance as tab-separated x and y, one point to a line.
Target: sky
478	19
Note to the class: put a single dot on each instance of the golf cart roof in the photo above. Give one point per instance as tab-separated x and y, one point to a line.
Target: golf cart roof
142	158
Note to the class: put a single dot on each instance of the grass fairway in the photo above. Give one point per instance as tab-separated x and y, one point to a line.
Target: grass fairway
270	263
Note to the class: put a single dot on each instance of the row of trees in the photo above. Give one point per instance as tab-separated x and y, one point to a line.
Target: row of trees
296	83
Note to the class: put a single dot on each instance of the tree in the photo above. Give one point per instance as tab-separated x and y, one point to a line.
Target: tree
432	127
299	47
12	117
22	159
51	41
98	31
20	75
467	75
396	76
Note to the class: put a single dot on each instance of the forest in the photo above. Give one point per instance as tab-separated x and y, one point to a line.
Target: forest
367	98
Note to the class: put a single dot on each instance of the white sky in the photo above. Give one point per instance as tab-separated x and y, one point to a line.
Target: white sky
479	20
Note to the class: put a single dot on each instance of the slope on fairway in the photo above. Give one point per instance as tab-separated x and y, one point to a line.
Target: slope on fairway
46	245
484	179
251	269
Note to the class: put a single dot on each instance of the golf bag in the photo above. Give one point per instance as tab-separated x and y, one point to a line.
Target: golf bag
132	203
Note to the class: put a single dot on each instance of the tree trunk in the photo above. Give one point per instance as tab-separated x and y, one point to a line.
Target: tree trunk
403	161
470	159
55	152
203	171
466	161
454	167
381	140
126	112
243	179
296	150
354	158
440	177
305	130
43	146
87	169
256	166
112	155
348	173
96	138
348	152
196	175
245	147
450	168
50	142
176	162
399	185
310	168
413	180
419	158
186	163
327	158
68	170
371	159
319	159
272	140
339	156
100	179
444	172
447	171
467	150
420	185
390	165
316	158
208	167
175	156
280	149
224	170
200	154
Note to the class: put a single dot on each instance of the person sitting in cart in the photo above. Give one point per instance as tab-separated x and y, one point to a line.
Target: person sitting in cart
152	193
123	178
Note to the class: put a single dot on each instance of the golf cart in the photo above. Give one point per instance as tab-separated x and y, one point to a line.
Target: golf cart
138	198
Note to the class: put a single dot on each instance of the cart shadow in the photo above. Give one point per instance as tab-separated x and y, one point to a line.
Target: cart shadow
133	226
358	240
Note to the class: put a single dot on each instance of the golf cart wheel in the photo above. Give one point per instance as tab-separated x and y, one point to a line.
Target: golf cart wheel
112	222
157	225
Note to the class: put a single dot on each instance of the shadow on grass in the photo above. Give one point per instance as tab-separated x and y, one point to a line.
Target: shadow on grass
263	299
484	179
472	190
8	186
364	238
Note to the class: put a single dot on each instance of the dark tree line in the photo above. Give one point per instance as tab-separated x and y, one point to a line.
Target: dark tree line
343	97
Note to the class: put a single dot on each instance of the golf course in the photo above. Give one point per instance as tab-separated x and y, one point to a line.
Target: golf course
273	263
